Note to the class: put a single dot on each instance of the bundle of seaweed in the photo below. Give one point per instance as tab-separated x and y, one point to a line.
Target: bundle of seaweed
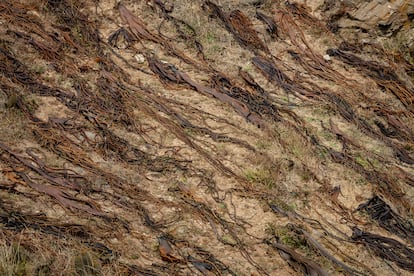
255	102
271	26
184	30
386	248
138	28
298	262
275	75
384	76
240	26
381	212
61	188
171	73
315	62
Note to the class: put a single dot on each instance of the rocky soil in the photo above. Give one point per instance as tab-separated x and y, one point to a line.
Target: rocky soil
195	137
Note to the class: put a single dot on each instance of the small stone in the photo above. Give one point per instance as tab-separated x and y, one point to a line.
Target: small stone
139	58
90	135
31	12
327	57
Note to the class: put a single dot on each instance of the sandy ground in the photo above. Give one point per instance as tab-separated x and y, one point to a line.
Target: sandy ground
134	154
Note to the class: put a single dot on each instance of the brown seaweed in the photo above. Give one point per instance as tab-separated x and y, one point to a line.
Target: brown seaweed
296	260
386	248
383	75
271	26
240	26
381	212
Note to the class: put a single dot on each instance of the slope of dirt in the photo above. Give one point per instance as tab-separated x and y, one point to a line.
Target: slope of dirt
206	138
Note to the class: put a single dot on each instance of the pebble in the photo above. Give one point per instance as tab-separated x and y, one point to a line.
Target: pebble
327	57
139	58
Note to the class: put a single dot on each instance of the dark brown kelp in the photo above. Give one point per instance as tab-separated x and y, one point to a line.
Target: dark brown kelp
279	78
61	194
141	32
381	212
298	262
271	26
170	73
120	36
384	76
240	26
386	248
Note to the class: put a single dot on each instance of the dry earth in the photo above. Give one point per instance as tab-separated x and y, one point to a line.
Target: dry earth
206	138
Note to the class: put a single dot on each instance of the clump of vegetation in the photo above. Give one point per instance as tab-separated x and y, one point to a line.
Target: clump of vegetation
401	43
87	264
283	205
13	260
262	176
287	235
